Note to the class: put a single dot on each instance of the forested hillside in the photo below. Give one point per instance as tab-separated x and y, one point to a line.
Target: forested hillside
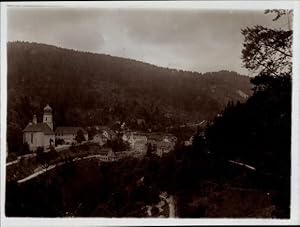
87	89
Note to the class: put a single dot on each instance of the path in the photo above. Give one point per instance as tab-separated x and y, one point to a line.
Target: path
171	203
57	148
19	158
242	164
42	171
12	162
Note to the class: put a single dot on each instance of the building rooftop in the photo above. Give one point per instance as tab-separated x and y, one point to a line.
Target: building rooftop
39	127
102	128
47	108
69	130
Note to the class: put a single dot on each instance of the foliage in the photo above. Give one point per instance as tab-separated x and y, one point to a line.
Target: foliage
110	190
150	149
14	137
118	144
199	144
73	148
268	51
92	131
24	149
39	150
52	149
59	141
258	132
45	158
279	13
79	136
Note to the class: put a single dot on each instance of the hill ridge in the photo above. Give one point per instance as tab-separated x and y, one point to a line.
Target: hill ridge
94	89
118	57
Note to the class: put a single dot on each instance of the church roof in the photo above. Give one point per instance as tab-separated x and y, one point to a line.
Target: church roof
39	127
69	130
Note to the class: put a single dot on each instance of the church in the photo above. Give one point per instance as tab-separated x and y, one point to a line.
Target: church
42	134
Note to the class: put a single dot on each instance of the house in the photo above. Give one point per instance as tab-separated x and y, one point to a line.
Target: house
107	155
40	134
163	143
164	147
138	142
126	135
155	138
68	134
170	138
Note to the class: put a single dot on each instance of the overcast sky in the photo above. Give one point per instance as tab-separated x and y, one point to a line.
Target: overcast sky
194	40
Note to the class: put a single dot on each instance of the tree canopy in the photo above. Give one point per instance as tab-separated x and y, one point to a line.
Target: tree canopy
79	136
268	51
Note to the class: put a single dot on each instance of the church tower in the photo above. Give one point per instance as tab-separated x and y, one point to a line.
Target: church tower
47	117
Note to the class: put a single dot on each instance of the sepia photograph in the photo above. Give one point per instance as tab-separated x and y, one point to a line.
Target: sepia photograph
147	112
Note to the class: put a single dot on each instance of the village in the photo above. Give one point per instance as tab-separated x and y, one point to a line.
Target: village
48	148
123	140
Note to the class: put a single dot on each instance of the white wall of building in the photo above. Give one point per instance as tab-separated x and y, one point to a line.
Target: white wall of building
34	139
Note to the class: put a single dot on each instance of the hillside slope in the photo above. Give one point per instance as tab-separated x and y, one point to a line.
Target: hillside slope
88	89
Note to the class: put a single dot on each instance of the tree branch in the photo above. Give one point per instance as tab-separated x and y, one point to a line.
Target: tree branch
280	51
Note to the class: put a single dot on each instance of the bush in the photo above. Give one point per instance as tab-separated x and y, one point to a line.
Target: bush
59	141
11	156
80	136
24	149
42	157
155	211
73	148
52	149
39	150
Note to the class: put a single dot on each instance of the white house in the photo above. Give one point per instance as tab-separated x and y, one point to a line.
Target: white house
138	142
